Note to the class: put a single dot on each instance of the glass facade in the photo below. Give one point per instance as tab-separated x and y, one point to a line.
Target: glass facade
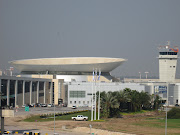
168	53
77	94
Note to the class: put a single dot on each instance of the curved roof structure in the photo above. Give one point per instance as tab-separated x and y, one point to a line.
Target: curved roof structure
79	64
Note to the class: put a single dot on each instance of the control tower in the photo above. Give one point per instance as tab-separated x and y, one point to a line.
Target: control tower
167	63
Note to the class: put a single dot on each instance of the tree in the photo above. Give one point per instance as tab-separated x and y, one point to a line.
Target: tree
157	102
108	101
144	100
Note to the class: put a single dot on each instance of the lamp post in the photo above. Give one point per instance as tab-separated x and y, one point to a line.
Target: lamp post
54	117
166	120
54	113
140	75
146	74
166	115
2	118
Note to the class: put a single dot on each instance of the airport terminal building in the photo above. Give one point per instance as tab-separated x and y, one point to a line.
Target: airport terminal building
72	80
61	80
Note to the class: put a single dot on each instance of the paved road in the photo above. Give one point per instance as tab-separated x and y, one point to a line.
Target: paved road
43	132
44	110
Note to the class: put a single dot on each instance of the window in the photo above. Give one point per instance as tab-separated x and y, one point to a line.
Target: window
172	53
174	66
87	102
70	102
79	102
163	53
168	53
77	94
90	94
83	102
74	102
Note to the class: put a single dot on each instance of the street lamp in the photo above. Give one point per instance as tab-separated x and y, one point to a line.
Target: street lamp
146	74
166	115
54	113
140	75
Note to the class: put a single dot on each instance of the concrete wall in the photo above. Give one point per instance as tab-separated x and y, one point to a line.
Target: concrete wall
88	87
167	68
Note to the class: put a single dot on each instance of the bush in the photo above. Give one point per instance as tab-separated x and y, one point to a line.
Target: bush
174	113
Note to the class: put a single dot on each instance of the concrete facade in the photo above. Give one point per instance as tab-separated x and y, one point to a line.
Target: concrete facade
167	67
80	93
17	91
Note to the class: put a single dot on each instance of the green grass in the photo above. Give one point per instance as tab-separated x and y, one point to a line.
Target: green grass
159	123
36	118
133	113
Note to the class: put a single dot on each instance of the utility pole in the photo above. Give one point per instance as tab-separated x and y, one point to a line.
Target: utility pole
2	118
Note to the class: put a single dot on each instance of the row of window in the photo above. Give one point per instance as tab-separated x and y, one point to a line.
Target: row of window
77	94
172	66
168	53
79	102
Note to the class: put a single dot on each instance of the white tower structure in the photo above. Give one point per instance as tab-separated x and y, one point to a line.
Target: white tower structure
167	63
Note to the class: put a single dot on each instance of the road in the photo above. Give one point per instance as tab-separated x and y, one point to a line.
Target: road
44	110
20	131
41	110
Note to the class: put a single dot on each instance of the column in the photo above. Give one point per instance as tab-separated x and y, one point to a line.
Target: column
30	86
2	118
16	87
51	93
44	92
0	86
8	90
0	93
23	92
37	92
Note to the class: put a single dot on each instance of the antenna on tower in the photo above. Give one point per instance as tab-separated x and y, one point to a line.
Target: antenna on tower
146	74
168	43
139	75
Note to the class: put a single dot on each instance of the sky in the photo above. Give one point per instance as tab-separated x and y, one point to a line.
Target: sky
129	29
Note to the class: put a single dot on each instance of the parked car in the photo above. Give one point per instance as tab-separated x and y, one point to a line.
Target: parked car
74	107
44	105
39	104
23	106
27	133
64	105
8	132
50	105
30	105
176	105
80	117
33	104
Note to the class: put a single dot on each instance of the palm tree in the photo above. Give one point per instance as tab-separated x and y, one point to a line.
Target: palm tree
122	98
135	100
108	101
144	100
157	102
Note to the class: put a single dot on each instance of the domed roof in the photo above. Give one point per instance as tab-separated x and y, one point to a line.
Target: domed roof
80	64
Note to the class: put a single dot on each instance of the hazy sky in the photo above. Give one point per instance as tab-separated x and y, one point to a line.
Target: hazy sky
130	29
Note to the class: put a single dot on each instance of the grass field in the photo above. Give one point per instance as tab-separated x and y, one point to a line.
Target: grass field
51	117
135	123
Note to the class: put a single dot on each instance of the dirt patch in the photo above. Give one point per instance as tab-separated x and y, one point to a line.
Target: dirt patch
116	126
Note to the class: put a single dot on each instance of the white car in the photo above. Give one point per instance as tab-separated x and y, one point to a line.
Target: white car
44	105
50	105
80	117
23	106
73	107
